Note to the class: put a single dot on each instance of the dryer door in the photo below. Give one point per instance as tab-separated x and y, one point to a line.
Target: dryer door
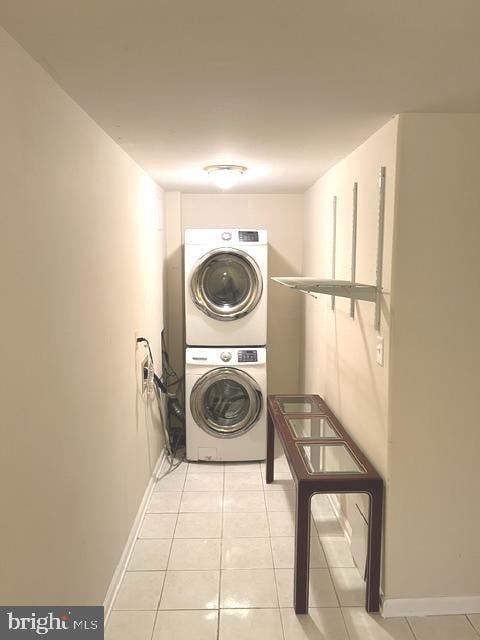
226	284
226	402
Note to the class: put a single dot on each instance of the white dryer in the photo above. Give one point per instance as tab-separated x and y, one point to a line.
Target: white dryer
226	393
226	287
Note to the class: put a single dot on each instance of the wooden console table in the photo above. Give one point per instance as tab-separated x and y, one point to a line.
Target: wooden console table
323	458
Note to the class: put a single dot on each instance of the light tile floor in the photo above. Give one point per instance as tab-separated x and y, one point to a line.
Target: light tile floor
214	561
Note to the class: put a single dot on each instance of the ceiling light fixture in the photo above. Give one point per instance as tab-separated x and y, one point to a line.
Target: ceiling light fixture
225	176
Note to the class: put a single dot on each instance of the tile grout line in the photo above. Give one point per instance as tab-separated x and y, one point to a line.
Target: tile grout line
271	551
344	622
329	567
221	555
171	547
467	616
333	584
150	570
155	618
410	627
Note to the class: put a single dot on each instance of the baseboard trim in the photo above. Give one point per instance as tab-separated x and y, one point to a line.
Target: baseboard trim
127	551
399	607
341	517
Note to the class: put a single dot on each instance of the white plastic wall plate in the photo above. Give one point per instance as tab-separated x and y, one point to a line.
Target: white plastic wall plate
380	350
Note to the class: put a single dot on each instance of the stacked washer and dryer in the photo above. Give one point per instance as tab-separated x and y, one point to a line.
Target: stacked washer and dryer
226	335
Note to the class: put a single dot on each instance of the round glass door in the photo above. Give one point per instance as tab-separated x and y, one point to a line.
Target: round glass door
226	402
226	284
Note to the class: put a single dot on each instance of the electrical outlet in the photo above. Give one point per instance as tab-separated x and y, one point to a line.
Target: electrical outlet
380	350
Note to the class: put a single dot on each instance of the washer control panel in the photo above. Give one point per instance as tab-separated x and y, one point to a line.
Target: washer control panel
248	355
226	235
224	356
248	236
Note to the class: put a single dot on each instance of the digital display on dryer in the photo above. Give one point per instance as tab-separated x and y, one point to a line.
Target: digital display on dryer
248	355
248	236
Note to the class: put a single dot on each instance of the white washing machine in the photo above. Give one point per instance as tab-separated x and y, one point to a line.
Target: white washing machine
226	287
226	393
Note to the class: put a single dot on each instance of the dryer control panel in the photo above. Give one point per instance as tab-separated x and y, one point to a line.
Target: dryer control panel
247	355
214	238
248	236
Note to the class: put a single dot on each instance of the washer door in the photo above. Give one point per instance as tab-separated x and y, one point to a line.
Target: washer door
226	284
226	402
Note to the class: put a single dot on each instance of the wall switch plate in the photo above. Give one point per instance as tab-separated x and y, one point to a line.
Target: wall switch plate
380	350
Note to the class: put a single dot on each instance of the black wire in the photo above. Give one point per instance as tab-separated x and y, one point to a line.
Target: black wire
158	381
171	384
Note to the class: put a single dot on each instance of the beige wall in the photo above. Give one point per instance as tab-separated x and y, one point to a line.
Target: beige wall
433	517
339	352
282	216
417	416
80	273
339	360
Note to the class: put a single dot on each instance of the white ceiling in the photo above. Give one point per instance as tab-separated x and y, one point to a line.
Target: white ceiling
285	87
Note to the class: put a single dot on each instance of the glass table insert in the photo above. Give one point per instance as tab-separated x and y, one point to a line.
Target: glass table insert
329	458
312	427
300	404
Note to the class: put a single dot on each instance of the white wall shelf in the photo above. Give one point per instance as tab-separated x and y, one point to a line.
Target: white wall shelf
340	288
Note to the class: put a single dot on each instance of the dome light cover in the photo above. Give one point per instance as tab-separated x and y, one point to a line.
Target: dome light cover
225	176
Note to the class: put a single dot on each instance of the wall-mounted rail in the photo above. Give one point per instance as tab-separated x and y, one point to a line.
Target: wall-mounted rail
334	243
354	244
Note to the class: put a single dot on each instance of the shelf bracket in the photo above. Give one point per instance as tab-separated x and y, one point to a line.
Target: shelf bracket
381	229
354	244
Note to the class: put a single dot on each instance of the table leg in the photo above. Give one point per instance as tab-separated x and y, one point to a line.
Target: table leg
270	448
302	549
374	556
